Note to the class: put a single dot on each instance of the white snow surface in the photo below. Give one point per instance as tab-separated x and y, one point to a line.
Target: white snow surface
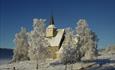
103	62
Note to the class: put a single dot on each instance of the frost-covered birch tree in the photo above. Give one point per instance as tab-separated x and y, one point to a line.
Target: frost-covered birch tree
37	42
21	50
88	40
69	51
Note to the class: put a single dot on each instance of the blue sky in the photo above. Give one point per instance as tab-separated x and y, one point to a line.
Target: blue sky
100	15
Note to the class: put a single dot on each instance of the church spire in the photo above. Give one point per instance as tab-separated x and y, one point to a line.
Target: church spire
51	20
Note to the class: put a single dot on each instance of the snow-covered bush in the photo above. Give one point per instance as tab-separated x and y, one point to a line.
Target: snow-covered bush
21	50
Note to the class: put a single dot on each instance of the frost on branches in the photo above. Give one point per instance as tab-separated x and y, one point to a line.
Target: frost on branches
31	45
79	45
21	50
69	52
37	42
88	40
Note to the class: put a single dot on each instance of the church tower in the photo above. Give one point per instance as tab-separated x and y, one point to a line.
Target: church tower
51	29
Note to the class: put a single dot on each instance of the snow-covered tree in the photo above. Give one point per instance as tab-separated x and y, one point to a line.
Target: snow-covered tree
88	40
21	50
37	42
69	51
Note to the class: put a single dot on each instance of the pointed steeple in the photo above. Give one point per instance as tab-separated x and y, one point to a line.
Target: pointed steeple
51	20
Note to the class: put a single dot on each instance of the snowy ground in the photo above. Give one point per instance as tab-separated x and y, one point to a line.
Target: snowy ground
103	62
4	61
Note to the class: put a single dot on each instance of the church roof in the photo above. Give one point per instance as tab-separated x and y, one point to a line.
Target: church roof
55	41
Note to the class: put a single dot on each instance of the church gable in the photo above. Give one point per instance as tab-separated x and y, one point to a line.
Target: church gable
56	41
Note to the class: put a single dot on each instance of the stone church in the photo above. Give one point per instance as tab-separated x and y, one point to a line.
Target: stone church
55	38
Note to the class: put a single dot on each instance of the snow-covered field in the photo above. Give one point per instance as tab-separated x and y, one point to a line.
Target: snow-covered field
103	62
4	61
